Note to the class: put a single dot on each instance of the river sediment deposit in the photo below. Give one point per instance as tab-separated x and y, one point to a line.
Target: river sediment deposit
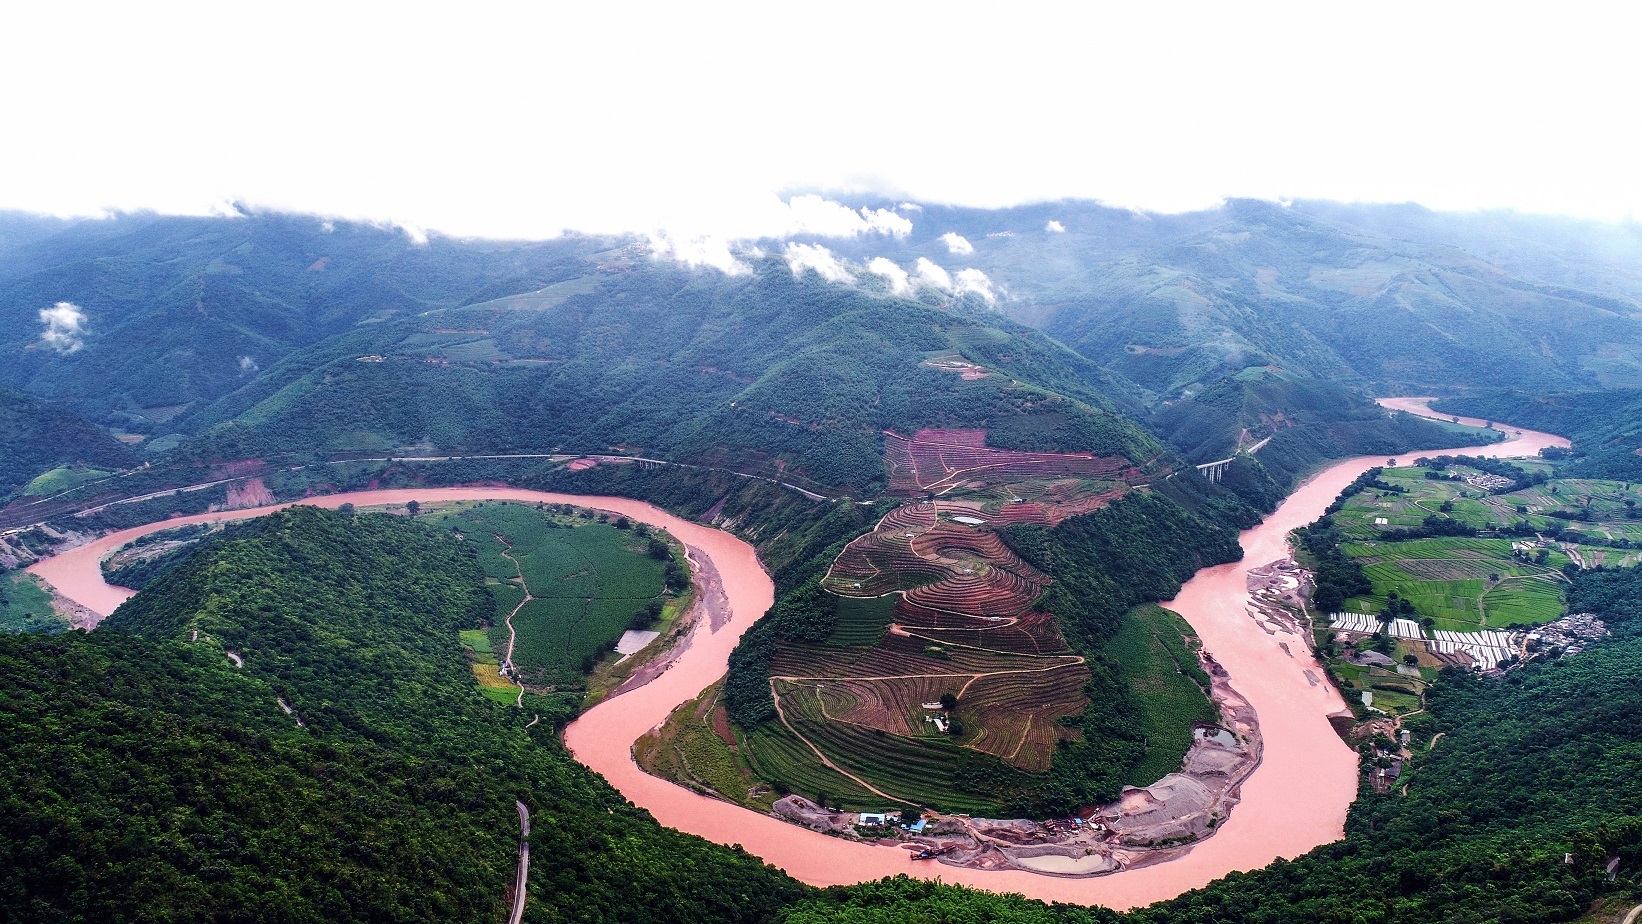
1295	799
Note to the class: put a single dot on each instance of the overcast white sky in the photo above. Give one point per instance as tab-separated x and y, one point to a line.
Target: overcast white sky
520	121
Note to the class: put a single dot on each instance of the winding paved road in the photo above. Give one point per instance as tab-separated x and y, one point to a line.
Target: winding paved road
524	864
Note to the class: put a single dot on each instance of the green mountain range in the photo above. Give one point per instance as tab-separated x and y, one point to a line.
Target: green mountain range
147	777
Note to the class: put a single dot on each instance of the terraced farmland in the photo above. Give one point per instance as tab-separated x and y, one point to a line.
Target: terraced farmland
932	602
939	461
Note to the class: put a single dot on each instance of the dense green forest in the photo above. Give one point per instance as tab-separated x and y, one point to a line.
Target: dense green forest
37	436
1605	426
150	779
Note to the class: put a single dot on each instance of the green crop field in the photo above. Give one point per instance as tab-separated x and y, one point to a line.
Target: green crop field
1151	650
862	621
922	771
689	749
63	478
1463	584
587	581
1603	503
777	756
25	606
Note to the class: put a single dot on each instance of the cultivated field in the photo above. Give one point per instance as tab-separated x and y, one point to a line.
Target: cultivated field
933	602
587	580
1463	584
1511	577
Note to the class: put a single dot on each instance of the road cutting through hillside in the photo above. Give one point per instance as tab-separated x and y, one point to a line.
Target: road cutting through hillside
513	634
1296	800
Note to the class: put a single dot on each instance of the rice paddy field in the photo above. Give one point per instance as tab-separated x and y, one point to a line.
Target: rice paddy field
587	581
1465	584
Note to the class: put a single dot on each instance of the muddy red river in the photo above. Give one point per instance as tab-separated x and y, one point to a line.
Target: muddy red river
1296	800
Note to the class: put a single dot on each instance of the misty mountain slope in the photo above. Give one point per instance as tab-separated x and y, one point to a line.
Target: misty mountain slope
1176	300
768	372
1329	302
168	312
1592	257
1606	427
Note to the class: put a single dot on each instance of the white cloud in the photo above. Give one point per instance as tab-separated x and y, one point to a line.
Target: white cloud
957	243
801	257
826	218
930	274
1054	227
65	327
724	231
248	366
973	280
910	207
899	282
698	251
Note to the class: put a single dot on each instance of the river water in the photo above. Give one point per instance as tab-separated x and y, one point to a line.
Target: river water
1294	801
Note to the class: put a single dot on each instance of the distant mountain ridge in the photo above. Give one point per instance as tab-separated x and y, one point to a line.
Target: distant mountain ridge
180	311
1392	298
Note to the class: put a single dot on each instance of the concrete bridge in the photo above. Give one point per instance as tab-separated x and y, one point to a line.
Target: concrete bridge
1214	471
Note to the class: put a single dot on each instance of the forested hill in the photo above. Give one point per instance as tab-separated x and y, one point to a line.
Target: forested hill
149	779
1307	422
166	327
1605	427
175	311
36	436
772	372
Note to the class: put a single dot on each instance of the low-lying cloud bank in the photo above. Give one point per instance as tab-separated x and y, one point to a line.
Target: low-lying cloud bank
926	274
799	216
65	327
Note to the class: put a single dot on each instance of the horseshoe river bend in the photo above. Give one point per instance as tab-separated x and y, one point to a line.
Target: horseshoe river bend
1295	800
